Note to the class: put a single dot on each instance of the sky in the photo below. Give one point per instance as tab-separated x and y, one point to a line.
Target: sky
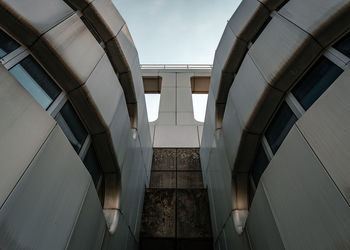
176	31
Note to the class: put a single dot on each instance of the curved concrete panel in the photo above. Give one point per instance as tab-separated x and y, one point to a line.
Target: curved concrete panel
106	90
275	55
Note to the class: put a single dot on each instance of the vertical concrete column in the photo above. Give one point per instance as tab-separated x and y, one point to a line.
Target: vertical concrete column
176	126
176	107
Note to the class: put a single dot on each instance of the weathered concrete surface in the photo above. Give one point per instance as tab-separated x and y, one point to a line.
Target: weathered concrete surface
188	159
164	159
159	210
163	179
176	209
193	214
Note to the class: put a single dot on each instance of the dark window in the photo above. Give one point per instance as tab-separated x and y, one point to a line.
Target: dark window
260	163
280	126
343	45
7	44
316	81
91	164
36	81
71	126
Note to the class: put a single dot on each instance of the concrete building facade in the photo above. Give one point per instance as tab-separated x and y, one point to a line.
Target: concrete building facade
76	146
176	125
71	95
275	145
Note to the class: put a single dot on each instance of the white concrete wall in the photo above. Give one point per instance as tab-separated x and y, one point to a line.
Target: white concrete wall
176	126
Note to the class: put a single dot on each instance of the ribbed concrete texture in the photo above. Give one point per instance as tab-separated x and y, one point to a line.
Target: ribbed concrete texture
176	209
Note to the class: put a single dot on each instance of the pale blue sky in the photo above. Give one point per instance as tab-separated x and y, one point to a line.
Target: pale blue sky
176	31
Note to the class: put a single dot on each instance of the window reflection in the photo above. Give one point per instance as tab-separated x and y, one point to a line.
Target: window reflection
7	44
260	163
92	165
316	82
71	126
36	81
343	45
280	126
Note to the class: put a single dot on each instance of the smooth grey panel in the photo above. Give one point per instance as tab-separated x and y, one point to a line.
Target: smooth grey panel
105	89
37	15
105	18
127	45
139	214
288	49
143	131
42	210
233	240
183	80
120	131
308	208
133	184
261	225
255	101
168	79
231	130
90	226
166	118
186	118
223	50
324	20
167	102
100	94
208	132
215	79
119	239
212	210
184	100
222	241
176	137
248	18
200	133
132	244
24	126
228	56
272	4
326	128
220	178
138	81
69	44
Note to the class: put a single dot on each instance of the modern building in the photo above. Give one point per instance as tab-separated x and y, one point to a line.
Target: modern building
76	147
275	145
76	150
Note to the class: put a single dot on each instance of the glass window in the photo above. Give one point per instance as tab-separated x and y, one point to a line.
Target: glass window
92	165
316	81
36	81
343	45
7	44
260	163
280	126
71	126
